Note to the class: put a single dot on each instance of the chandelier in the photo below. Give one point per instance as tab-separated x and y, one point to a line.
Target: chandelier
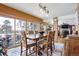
43	9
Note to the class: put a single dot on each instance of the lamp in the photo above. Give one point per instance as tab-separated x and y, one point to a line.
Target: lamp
44	10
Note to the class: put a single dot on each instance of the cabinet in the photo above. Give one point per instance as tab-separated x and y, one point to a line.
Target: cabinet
71	47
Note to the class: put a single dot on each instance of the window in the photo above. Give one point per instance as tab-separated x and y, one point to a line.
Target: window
7	31
20	26
11	28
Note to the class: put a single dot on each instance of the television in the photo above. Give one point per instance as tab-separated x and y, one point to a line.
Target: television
65	26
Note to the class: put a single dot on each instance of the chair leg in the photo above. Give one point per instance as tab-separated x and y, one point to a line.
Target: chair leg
47	50
51	50
61	53
29	50
36	48
21	49
26	51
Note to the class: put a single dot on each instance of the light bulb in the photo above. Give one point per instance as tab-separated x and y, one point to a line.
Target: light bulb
41	10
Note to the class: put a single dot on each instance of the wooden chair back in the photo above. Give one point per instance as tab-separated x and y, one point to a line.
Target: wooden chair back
23	36
50	37
50	41
23	41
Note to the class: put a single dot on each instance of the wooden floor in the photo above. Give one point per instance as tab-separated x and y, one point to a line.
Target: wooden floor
60	40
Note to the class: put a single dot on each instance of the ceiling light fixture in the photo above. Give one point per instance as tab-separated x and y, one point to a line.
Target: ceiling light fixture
43	9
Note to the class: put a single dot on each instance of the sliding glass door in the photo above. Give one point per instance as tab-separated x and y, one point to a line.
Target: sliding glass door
11	28
20	26
7	31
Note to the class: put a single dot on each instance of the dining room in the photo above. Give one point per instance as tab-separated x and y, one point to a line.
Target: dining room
39	29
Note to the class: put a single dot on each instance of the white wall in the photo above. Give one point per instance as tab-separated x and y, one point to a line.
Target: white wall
69	19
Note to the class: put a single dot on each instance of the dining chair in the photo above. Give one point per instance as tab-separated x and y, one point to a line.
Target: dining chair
25	44
49	44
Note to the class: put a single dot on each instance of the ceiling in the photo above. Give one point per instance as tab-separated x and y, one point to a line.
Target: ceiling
55	9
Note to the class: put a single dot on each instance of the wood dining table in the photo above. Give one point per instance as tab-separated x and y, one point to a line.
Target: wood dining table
34	40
